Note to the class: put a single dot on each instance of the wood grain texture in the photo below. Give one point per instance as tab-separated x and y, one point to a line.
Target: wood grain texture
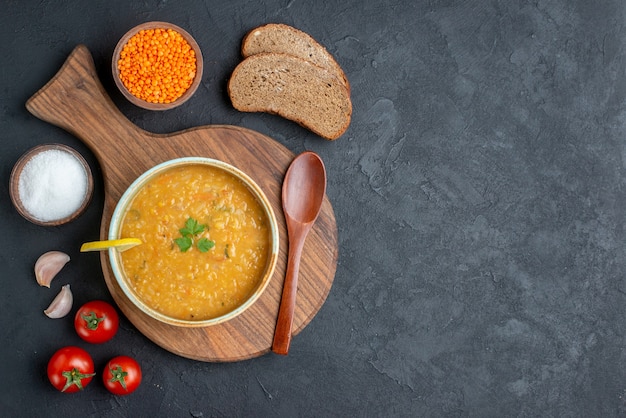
75	100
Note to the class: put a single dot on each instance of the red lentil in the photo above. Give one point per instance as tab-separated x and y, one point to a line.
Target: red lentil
157	65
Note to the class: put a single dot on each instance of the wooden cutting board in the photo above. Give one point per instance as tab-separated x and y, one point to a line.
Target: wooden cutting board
75	100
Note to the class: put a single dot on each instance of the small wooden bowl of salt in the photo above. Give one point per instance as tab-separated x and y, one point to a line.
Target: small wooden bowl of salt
51	184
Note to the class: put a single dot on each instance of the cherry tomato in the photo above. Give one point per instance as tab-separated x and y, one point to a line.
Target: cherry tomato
70	369
96	322
122	375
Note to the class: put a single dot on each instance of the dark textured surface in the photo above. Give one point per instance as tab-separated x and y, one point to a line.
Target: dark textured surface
479	197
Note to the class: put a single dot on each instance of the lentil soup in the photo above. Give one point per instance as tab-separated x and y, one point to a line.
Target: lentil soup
206	280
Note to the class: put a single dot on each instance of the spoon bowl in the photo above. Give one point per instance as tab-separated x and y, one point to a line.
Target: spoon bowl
304	188
303	191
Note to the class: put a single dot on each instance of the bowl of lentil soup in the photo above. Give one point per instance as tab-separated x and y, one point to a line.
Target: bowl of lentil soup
157	65
210	242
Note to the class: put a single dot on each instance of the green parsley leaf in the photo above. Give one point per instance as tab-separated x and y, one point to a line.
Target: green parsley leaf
205	244
192	228
184	243
189	232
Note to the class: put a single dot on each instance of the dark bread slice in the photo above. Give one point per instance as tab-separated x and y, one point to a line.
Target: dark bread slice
285	39
294	89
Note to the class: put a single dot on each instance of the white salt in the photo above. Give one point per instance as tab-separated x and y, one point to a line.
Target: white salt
52	185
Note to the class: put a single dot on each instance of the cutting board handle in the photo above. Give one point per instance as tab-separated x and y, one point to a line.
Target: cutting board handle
75	100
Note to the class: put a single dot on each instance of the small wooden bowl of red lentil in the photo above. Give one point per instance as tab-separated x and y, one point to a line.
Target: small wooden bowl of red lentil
157	65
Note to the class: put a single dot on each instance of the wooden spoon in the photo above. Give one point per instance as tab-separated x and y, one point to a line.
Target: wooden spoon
303	192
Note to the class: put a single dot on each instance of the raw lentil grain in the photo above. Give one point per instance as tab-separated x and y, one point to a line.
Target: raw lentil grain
157	65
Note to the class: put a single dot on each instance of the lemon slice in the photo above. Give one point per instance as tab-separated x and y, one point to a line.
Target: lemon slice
119	244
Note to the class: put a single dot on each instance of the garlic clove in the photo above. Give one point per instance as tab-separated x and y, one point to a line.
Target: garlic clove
48	265
62	303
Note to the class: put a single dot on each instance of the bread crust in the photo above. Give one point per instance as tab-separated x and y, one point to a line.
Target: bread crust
293	88
285	39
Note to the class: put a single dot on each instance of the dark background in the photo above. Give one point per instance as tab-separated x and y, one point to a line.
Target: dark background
479	194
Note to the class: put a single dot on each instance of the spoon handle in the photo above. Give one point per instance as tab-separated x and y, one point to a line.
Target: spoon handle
282	333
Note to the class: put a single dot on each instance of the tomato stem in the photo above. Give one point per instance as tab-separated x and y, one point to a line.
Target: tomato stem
119	375
74	377
92	320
